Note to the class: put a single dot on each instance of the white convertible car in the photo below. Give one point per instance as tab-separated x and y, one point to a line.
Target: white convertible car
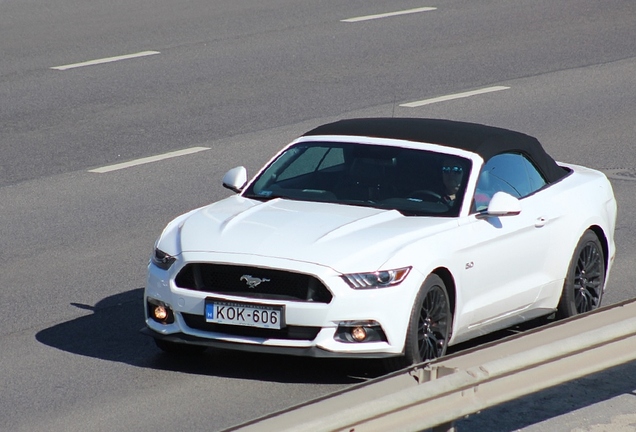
384	238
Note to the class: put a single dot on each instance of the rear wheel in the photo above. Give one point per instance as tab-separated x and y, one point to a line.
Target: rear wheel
429	325
178	348
584	282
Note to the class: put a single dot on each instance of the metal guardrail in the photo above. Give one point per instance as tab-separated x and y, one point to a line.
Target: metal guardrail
435	394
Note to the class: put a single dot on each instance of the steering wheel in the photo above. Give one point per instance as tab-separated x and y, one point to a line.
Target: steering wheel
423	194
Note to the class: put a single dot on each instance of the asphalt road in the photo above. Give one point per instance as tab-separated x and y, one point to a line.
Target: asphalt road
243	78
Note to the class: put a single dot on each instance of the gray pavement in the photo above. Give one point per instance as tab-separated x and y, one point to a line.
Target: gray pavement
243	78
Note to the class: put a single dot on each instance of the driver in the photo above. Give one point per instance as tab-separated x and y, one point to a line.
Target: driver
452	175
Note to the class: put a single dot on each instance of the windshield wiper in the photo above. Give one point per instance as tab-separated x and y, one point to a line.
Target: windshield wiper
265	198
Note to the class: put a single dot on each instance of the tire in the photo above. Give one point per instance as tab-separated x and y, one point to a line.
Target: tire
430	325
178	348
585	279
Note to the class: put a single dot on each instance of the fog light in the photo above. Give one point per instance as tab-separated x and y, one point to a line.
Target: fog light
358	334
359	331
159	311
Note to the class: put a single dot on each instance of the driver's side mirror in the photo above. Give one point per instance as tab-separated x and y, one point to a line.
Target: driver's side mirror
502	204
235	179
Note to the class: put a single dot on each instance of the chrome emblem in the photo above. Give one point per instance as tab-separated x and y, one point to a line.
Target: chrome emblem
251	281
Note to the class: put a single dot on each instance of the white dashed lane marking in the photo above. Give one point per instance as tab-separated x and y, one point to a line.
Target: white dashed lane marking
106	60
388	14
453	96
147	160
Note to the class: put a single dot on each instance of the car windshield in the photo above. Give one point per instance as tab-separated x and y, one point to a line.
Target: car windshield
413	182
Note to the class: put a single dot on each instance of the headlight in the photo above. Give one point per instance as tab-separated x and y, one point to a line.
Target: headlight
379	279
162	259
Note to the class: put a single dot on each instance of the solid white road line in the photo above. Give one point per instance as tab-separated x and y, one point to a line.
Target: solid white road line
389	14
453	96
106	60
146	160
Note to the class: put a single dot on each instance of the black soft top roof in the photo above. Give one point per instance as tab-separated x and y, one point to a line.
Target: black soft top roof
486	141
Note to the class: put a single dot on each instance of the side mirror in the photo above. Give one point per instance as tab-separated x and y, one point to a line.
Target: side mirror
502	204
235	179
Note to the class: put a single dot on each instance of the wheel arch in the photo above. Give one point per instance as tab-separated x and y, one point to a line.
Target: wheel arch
447	277
600	234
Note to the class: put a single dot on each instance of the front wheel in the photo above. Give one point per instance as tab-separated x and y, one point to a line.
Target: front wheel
584	282
429	325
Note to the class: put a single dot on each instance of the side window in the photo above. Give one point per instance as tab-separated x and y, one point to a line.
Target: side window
509	172
536	179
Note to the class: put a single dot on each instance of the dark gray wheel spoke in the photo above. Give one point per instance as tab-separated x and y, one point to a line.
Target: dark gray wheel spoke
585	278
588	279
432	325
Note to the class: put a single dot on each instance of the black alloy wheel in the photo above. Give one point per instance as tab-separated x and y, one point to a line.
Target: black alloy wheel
432	326
429	326
585	280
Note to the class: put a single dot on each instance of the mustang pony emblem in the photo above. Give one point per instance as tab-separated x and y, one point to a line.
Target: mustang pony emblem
252	281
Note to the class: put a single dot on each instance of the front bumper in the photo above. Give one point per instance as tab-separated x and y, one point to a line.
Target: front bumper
389	307
310	351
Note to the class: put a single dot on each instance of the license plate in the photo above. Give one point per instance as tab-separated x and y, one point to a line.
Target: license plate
244	314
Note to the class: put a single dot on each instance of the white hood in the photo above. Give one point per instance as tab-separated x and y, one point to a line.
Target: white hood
338	236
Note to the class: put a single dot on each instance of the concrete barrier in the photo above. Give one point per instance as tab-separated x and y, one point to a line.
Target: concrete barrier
435	394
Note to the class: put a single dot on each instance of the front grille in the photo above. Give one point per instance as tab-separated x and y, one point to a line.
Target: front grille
289	333
243	281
